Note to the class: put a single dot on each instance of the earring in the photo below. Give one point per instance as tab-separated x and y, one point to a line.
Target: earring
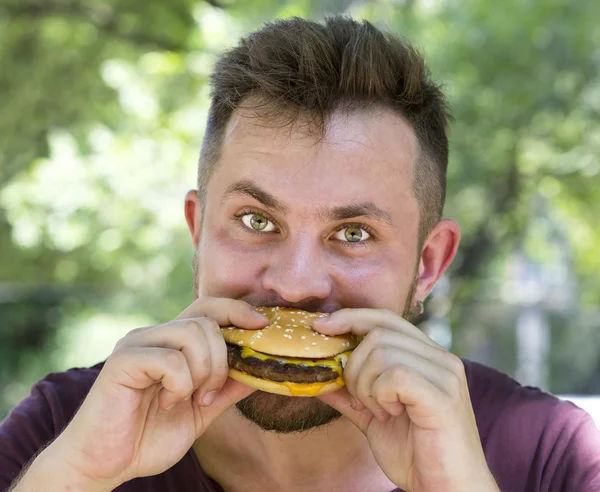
417	310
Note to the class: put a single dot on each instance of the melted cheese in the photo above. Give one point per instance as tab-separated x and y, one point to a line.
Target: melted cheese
336	363
309	389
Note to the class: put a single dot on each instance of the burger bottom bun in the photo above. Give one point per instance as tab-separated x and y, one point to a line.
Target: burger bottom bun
299	389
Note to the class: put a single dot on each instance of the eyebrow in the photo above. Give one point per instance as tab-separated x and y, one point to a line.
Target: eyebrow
246	187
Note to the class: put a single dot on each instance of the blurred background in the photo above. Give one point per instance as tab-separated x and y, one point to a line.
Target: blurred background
102	111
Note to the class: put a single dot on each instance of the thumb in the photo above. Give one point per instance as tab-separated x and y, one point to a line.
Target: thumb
231	392
341	400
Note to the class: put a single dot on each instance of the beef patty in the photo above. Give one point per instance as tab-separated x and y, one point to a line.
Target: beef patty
278	370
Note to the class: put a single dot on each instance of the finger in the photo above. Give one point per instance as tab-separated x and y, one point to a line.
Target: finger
226	312
232	392
422	400
375	363
383	349
341	400
374	358
362	321
428	355
196	338
395	409
142	367
361	399
378	337
219	369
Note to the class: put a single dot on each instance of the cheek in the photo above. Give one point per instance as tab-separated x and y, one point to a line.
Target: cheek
381	283
227	268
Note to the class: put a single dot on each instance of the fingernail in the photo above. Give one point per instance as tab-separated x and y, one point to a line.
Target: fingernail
169	407
256	314
324	319
353	402
208	398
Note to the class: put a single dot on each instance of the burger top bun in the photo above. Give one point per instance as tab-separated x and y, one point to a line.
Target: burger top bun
289	335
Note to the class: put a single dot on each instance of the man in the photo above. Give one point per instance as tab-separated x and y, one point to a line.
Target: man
321	186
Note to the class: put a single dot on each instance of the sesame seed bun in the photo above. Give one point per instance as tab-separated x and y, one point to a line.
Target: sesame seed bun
290	334
288	357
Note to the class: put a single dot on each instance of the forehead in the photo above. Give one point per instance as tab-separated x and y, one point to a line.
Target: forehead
363	156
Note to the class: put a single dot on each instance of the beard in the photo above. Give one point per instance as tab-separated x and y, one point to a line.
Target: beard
288	414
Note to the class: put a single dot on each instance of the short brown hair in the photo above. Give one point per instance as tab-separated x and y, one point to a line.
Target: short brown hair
303	69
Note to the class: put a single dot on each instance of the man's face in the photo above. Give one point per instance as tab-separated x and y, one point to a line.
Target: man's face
320	226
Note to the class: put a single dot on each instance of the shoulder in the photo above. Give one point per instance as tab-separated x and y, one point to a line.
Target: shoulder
500	400
54	399
65	391
530	435
41	416
495	395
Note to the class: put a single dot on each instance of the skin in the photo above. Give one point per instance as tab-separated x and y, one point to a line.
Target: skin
310	264
403	420
406	395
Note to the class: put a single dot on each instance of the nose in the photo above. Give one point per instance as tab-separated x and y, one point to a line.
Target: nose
297	271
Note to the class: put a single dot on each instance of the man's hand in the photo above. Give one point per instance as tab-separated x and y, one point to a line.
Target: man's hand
409	396
156	394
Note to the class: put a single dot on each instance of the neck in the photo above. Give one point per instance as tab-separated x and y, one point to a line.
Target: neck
324	458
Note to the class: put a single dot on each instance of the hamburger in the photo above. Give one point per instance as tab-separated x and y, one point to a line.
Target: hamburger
288	357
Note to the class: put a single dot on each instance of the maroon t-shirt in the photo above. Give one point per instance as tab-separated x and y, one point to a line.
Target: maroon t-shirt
532	441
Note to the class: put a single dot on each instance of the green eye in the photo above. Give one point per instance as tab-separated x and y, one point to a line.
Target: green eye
258	222
353	234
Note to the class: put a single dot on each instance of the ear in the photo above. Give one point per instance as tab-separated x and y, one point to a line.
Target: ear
437	253
193	215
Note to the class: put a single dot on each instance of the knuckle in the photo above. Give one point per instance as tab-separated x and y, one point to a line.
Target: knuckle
202	301
183	390
399	374
201	325
453	385
114	358
456	365
120	352
175	359
384	393
455	379
118	358
119	345
379	354
376	335
126	340
219	377
194	330
182	386
191	327
210	325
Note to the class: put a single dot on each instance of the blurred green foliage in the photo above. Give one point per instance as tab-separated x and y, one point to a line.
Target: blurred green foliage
103	110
